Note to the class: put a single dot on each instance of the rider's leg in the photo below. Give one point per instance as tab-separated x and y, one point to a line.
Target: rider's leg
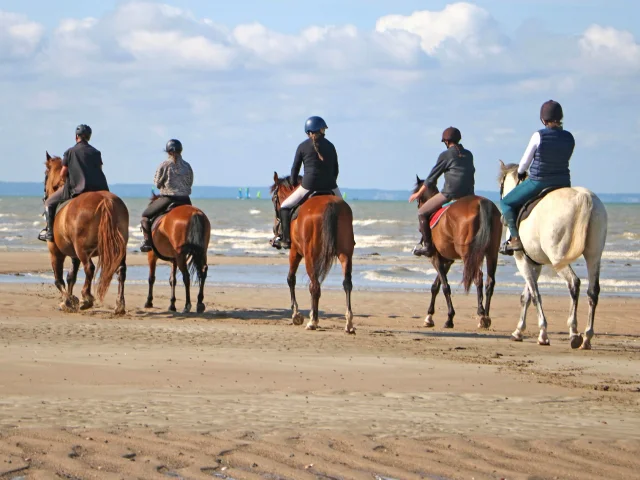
511	205
424	213
50	205
153	210
337	193
285	217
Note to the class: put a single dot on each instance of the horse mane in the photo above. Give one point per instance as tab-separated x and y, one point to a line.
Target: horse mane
285	182
508	169
52	172
430	189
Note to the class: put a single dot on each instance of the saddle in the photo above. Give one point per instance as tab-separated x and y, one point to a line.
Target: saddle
435	217
155	221
528	207
319	193
62	204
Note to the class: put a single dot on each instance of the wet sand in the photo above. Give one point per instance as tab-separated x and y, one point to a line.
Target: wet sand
239	393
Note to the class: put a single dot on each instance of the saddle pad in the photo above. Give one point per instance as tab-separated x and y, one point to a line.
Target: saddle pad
528	207
61	205
433	221
156	222
296	209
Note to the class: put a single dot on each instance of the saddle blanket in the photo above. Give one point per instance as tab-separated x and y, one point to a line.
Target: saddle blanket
433	221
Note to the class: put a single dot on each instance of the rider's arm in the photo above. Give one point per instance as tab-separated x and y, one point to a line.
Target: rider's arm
337	165
438	169
190	176
529	153
297	165
64	172
159	177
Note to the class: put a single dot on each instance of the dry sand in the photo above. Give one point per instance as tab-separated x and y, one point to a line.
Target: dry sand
239	393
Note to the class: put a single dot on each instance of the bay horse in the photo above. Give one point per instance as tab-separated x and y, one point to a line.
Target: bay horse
322	232
91	224
567	223
470	230
182	238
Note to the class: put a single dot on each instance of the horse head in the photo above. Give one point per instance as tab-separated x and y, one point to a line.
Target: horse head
429	192
507	178
53	174
281	189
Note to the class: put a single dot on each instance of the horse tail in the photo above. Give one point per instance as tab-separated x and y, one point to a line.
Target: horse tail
112	246
478	247
195	247
580	230
329	240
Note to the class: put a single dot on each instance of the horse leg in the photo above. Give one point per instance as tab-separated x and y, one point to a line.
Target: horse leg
172	283
347	267
492	265
481	313
525	301
442	266
89	271
314	290
153	262
186	278
531	273
435	289
122	277
57	264
202	277
573	282
294	261
72	276
593	267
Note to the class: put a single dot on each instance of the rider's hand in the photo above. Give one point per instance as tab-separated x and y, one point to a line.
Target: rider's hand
414	197
522	176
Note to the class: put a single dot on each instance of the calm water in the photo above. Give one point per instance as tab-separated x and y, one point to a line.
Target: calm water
386	231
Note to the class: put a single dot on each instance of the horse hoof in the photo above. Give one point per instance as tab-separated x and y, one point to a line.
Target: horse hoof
200	308
545	343
148	305
350	331
68	307
485	322
298	319
576	341
75	301
187	309
311	327
86	305
448	325
515	338
120	310
428	322
172	308
585	346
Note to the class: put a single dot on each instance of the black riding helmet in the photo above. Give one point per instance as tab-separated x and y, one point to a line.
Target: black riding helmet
551	111
173	146
83	131
451	134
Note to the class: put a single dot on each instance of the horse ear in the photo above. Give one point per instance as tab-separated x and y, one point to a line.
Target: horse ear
275	177
417	178
502	164
48	156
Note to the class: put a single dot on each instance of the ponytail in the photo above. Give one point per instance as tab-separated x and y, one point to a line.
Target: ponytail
459	147
314	139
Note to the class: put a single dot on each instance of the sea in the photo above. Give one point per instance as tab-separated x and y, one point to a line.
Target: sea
386	229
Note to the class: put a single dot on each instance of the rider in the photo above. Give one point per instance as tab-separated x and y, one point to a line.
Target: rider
82	172
320	161
456	162
547	159
174	178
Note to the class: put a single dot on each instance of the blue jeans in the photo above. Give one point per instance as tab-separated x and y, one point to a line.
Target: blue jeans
516	198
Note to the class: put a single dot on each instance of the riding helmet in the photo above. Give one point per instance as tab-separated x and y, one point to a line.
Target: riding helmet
314	124
83	131
173	146
451	134
551	111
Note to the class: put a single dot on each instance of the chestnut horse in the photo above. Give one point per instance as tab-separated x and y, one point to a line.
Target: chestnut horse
91	224
470	230
182	238
322	232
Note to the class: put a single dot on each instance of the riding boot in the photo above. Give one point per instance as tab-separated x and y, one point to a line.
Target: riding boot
285	220
146	233
49	215
512	245
425	248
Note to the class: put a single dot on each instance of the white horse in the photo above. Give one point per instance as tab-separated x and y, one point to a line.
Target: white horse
567	223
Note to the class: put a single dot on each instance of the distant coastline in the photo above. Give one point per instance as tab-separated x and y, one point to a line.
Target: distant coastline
131	190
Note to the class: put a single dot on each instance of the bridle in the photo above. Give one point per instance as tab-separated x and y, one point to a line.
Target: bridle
502	185
46	179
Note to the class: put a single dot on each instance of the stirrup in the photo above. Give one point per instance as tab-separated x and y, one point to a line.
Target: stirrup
145	247
45	236
421	250
279	243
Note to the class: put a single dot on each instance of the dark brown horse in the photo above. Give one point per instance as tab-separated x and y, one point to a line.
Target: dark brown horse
322	232
182	238
469	230
92	224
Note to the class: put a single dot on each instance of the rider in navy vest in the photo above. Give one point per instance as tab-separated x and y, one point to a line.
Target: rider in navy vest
320	160
456	163
547	159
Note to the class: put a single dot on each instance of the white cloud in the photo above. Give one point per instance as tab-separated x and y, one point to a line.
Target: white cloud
610	48
19	37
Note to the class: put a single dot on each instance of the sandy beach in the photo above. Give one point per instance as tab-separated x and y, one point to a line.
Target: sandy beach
239	393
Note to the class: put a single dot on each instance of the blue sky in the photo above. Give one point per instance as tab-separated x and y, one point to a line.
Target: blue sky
236	80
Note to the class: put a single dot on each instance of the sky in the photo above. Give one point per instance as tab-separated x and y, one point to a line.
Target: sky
235	81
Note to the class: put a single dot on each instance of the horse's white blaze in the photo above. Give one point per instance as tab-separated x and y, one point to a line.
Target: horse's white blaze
566	224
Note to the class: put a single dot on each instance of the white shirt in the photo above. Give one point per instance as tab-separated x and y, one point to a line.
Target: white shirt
529	153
